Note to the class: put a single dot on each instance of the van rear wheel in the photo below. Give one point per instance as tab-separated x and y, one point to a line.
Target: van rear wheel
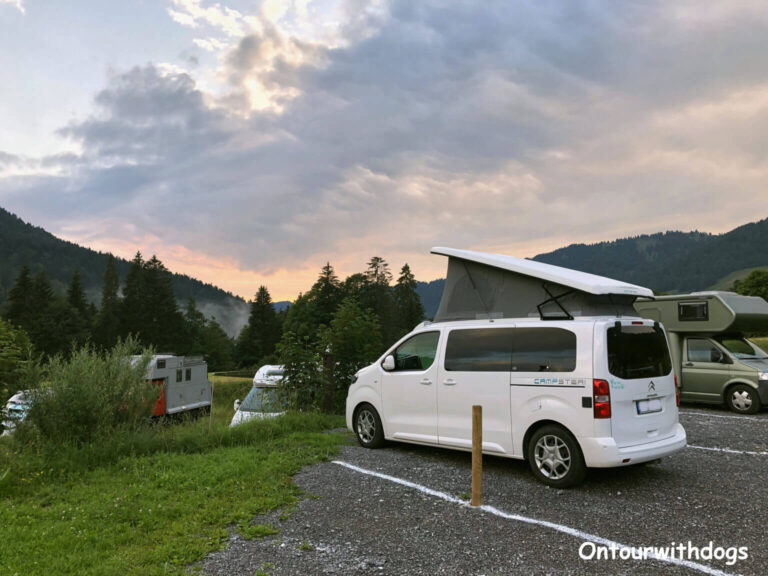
555	457
368	428
743	399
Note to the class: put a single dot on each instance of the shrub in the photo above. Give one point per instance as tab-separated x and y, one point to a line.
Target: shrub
92	394
302	383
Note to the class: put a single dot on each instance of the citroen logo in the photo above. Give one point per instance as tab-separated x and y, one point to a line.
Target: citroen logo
651	387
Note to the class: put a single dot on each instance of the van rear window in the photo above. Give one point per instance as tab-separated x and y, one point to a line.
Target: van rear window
638	352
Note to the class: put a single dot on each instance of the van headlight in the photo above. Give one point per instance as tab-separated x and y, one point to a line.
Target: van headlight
762	375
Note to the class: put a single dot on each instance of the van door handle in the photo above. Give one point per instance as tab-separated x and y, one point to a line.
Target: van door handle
449	382
426	381
688	364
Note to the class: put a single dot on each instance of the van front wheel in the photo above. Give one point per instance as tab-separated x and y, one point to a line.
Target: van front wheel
555	457
743	399
368	428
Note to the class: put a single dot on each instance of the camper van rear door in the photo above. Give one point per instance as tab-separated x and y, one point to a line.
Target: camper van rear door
643	406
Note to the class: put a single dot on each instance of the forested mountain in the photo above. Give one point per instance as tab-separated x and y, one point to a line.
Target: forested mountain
664	262
23	244
670	261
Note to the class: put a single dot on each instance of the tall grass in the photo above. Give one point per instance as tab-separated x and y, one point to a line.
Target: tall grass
91	396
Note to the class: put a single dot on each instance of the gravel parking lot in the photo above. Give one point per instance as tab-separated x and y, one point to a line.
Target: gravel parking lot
352	522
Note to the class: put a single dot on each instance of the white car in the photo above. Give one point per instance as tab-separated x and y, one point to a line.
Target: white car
15	411
263	400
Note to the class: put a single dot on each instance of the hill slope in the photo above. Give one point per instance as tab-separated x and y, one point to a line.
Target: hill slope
22	243
670	261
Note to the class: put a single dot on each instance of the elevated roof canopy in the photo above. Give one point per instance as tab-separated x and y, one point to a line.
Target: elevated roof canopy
482	285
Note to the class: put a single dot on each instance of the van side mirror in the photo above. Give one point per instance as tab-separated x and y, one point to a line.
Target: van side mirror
389	363
237	405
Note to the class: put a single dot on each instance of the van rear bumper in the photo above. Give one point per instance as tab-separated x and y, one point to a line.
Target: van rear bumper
603	452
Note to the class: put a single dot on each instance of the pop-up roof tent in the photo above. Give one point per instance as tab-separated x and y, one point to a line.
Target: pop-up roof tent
480	285
707	312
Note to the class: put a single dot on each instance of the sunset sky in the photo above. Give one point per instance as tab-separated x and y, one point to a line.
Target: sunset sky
249	142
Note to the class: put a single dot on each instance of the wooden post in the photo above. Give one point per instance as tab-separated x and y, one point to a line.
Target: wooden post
477	455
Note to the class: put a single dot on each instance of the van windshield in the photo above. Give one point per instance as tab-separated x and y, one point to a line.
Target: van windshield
262	399
741	347
638	352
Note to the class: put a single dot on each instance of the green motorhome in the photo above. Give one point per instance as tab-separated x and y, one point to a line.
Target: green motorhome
713	360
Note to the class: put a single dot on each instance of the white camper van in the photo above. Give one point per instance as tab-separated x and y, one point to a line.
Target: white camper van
569	377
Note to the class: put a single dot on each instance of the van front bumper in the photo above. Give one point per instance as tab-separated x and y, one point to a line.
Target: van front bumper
603	452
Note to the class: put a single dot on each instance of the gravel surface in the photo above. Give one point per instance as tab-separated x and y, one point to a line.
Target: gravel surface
352	523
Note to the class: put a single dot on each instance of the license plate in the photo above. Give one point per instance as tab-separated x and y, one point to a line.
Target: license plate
649	406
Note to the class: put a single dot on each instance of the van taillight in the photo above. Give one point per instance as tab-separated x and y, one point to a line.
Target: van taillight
601	399
677	393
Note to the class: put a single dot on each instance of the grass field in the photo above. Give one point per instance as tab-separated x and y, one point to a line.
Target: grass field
762	342
156	501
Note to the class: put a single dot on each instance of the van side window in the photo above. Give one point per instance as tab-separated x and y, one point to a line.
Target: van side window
700	350
511	350
544	350
417	353
481	350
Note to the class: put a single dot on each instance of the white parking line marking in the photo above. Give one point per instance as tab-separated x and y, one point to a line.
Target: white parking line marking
728	450
586	536
753	418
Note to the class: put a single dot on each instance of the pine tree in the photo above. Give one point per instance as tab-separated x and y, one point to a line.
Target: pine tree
378	271
326	295
132	310
410	310
79	316
218	346
107	325
376	295
19	310
262	333
76	295
164	321
195	328
149	309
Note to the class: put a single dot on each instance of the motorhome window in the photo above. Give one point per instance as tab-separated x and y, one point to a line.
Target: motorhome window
693	311
543	350
700	350
741	348
161	364
638	352
178	375
481	350
188	375
417	353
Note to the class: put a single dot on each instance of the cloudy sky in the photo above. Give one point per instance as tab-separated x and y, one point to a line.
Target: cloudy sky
247	142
